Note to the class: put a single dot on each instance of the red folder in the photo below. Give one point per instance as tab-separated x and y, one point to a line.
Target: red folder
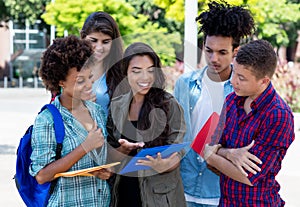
204	135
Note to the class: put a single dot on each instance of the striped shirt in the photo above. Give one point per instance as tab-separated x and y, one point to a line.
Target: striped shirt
79	190
271	125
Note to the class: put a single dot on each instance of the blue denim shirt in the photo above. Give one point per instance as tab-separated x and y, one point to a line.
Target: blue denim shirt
100	89
198	180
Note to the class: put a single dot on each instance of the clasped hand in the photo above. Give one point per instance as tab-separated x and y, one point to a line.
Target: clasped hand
240	157
244	160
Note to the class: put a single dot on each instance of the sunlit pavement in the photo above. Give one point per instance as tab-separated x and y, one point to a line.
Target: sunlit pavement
18	108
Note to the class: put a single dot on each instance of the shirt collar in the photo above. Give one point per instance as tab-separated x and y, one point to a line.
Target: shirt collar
198	74
263	99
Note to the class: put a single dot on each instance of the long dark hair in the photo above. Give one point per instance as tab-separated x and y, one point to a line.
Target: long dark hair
104	23
156	98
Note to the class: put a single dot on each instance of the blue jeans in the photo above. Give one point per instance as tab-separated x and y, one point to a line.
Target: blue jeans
192	204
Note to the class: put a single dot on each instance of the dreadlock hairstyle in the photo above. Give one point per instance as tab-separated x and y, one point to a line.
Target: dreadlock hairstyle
104	23
222	19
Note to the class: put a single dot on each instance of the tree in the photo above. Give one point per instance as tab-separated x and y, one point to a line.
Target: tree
20	10
174	8
70	15
3	12
157	14
275	22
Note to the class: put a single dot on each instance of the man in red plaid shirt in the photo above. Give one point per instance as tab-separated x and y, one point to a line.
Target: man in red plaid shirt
255	130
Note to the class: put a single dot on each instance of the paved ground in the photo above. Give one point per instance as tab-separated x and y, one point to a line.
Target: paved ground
18	108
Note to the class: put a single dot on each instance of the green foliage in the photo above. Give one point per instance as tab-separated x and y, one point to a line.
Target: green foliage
275	22
4	14
166	36
19	10
143	30
161	42
70	15
157	14
174	8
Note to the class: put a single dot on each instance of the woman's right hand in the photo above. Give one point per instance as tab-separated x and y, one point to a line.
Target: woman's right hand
126	146
94	140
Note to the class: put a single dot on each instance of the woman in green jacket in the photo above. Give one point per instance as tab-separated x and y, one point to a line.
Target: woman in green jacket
145	116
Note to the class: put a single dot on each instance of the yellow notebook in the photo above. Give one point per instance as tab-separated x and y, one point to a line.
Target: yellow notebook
85	172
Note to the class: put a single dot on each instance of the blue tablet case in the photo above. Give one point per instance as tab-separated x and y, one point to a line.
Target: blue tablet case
166	151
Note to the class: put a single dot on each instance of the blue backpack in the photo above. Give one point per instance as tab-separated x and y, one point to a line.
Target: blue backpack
32	193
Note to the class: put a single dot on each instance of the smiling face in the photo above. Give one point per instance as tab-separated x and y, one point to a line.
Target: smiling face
219	54
101	44
140	74
78	84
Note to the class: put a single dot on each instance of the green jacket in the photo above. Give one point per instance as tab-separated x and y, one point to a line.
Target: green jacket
165	189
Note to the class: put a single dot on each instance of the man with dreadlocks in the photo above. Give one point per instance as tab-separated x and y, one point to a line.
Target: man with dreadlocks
202	92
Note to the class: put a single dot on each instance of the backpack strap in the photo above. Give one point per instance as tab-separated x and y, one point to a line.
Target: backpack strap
59	129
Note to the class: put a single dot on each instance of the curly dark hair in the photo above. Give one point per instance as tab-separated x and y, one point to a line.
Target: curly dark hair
157	97
259	56
104	23
222	19
60	57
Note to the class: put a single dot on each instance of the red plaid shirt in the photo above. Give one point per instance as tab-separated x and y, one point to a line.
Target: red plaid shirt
271	125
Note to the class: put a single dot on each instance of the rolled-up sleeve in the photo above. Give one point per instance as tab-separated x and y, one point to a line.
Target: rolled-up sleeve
42	142
272	143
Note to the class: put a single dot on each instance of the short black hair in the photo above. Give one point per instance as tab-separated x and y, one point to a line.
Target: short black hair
259	56
62	55
222	19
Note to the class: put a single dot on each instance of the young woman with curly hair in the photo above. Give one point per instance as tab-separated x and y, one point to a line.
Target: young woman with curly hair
63	67
146	116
